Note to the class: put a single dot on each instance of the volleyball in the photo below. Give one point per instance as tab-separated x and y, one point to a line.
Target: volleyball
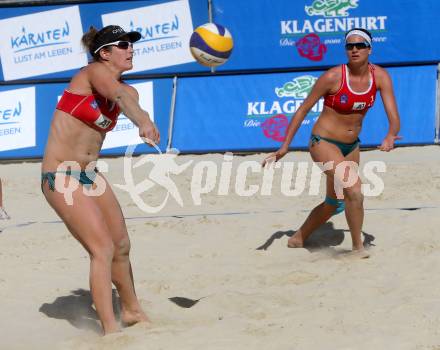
211	44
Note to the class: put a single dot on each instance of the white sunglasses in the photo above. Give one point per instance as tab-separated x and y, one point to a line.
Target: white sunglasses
121	44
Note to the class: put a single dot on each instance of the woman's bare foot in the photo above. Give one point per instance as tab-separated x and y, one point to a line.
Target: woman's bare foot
357	254
129	318
296	241
361	253
111	329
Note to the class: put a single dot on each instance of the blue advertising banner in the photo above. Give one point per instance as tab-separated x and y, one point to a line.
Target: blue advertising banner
26	112
25	115
251	112
44	41
284	33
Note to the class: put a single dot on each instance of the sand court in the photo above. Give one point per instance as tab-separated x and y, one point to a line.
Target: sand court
219	275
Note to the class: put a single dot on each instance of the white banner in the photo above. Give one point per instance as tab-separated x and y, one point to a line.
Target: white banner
17	119
166	30
41	43
125	131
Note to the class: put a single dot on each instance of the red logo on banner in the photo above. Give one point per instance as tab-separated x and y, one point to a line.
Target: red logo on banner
275	127
311	47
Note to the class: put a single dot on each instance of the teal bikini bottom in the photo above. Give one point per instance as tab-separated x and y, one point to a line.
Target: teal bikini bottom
338	203
85	178
346	148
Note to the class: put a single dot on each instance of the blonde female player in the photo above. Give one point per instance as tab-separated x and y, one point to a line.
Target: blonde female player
87	110
349	91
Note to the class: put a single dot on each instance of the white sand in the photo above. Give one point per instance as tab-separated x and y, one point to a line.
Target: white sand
273	298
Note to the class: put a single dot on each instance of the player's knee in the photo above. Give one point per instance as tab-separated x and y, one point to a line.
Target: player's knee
103	251
122	246
353	194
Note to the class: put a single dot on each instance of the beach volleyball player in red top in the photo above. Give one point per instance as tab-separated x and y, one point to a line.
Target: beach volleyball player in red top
349	90
87	110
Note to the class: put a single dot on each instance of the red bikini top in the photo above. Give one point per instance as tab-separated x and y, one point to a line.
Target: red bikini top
347	101
94	110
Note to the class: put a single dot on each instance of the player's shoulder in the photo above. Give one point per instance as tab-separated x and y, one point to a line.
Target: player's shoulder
130	89
378	70
94	68
332	75
381	76
335	69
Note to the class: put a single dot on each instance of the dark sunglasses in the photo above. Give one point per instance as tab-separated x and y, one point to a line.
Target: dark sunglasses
120	44
359	46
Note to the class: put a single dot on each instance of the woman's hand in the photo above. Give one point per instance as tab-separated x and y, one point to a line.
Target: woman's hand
275	156
388	142
149	133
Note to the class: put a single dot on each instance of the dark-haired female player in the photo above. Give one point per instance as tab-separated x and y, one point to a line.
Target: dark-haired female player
349	91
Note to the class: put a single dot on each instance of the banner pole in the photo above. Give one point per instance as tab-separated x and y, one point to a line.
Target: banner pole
210	10
171	119
437	107
210	21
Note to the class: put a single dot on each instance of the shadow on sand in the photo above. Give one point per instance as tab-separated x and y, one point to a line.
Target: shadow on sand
77	309
324	237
